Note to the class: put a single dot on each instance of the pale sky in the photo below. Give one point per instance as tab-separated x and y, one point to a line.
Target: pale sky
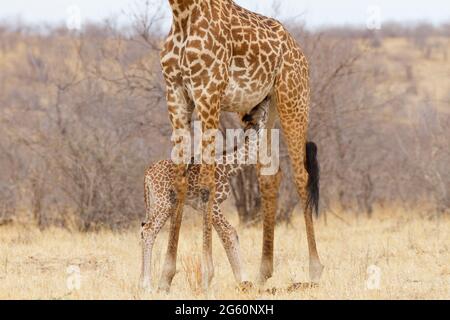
316	13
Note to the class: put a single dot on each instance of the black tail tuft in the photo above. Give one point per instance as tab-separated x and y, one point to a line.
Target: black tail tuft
312	166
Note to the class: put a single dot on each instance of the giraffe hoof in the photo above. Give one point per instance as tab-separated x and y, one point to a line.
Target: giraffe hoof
147	290
265	274
146	286
164	289
315	271
245	286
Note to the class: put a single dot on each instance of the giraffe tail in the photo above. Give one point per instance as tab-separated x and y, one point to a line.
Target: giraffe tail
312	166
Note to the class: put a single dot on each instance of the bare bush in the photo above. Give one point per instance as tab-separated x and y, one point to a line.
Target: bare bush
84	124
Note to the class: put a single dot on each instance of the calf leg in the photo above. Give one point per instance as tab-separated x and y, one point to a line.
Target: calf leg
170	264
149	232
230	242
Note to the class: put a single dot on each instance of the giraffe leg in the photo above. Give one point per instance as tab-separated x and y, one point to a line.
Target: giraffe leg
180	113
207	262
207	189
149	232
293	109
207	85
315	266
208	111
269	186
230	242
170	263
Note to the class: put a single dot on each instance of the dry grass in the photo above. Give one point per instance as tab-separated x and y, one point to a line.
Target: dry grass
412	251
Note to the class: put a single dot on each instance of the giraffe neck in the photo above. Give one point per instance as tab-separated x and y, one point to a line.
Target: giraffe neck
182	5
234	166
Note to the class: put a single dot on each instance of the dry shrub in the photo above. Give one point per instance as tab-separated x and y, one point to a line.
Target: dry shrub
81	123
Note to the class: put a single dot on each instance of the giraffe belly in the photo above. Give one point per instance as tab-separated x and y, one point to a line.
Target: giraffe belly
243	93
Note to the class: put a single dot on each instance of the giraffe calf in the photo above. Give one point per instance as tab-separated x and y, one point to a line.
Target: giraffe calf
161	201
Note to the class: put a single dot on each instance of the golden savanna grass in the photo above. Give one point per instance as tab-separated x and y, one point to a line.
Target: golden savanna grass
410	248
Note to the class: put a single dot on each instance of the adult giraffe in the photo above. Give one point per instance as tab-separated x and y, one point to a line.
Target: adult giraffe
222	57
